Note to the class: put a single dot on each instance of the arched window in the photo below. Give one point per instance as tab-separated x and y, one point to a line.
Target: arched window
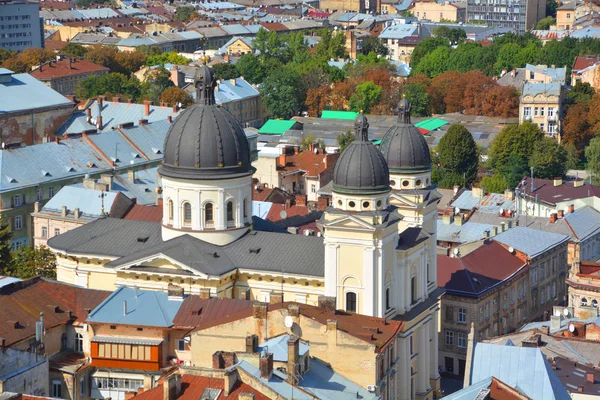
595	303
387	299
170	210
208	212
78	347
413	290
245	210
351	301
229	211
187	213
584	302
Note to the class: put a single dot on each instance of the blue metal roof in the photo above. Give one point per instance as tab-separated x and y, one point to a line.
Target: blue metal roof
24	92
48	162
6	280
590	32
95	13
491	202
235	29
398	31
523	368
88	201
279	347
261	209
466	233
557	74
532	242
584	222
113	115
130	306
117	148
149	138
547	89
227	91
222	5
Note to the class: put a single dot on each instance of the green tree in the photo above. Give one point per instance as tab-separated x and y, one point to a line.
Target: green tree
425	47
156	83
434	63
416	93
580	93
110	84
170	57
454	35
74	50
592	155
30	261
548	159
551	7
514	170
332	44
184	13
280	94
344	139
519	138
174	95
249	67
307	141
458	154
365	97
506	57
545	23
225	71
572	156
494	183
5	253
375	45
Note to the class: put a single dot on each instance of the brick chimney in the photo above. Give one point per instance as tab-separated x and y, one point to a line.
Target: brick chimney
265	365
251	343
561	213
300	199
88	113
571	208
293	370
590	377
64	211
276	297
175	108
229	380
116	99
129	101
147	105
204	294
553	218
169	119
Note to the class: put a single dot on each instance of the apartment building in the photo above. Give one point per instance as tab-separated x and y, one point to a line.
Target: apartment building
565	16
64	74
586	69
520	16
543	104
439	11
20	25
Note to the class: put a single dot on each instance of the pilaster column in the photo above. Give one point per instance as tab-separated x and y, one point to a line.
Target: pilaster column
221	209
433	346
239	220
422	362
406	286
331	269
403	369
369	275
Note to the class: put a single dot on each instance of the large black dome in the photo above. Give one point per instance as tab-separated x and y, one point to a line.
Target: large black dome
404	147
206	141
361	168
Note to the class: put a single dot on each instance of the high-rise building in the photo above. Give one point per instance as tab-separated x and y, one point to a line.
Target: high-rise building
520	15
20	25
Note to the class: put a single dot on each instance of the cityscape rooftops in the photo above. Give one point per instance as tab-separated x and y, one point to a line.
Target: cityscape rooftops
89	202
552	193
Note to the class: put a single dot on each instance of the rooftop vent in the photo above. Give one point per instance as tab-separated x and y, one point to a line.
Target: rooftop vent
70	169
255	250
156	151
142	239
45	173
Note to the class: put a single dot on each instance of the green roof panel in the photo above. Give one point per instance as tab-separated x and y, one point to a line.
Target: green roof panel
349	115
276	127
431	124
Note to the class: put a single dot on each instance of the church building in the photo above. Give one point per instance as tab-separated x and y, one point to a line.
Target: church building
376	255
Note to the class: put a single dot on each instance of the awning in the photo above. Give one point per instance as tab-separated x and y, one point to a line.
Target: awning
431	124
127	340
348	115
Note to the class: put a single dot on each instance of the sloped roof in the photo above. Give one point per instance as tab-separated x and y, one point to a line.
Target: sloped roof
531	242
523	368
141	212
276	127
23	301
583	62
278	345
545	190
547	89
88	201
24	92
65	68
584	222
131	306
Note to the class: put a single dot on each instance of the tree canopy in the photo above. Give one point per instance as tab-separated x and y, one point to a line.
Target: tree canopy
517	138
548	159
174	95
280	95
344	139
592	154
365	97
458	157
29	261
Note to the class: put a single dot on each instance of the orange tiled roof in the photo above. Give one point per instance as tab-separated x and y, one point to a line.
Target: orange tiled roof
313	164
66	67
144	213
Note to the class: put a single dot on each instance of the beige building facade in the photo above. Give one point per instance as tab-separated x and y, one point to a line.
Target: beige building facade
440	12
543	105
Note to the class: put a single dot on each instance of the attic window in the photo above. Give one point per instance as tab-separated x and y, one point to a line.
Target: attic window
70	169
255	250
143	239
91	165
115	160
57	309
11	180
45	173
216	255
156	151
135	155
197	312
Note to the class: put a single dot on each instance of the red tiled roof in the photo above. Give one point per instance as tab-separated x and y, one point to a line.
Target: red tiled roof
588	268
204	314
582	62
66	67
275	213
479	270
22	302
55	45
311	163
144	213
545	190
318	14
56	5
193	386
261	193
274	26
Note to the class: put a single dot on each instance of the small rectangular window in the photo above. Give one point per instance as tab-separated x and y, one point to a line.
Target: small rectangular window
44	232
51	192
18	222
462	340
449	338
56	231
57	389
181	345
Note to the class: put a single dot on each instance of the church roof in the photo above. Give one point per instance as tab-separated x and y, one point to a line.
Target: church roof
128	241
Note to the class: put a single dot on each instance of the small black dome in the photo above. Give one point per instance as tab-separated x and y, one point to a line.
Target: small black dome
361	168
206	141
404	148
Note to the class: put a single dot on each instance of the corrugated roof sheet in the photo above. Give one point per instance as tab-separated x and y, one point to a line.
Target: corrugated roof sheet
88	201
398	31
585	222
24	92
530	241
228	91
465	233
131	306
547	89
278	346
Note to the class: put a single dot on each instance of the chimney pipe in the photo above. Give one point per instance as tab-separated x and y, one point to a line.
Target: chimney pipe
124	308
170	119
147	108
293	359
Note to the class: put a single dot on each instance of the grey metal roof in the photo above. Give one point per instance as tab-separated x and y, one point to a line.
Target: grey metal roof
88	201
466	233
24	92
398	31
546	89
530	241
490	202
585	222
523	368
131	306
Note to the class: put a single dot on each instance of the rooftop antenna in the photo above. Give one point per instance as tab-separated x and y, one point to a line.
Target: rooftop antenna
531	179
101	196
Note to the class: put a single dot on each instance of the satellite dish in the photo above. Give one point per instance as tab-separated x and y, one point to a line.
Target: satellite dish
511	250
288	321
557	313
566	312
571	328
456	210
283	214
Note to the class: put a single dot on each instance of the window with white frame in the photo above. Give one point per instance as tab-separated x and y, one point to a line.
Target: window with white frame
57	389
56	231
462	315
542	110
18	222
18	200
551	111
40	194
527	111
78	345
584	302
542	127
536	111
51	192
44	232
462	340
449	338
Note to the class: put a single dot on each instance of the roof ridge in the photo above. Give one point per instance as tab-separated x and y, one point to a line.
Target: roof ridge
162	311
